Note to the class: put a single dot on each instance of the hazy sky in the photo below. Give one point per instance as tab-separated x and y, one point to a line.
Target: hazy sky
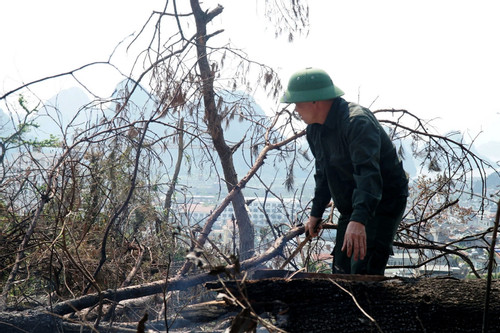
437	59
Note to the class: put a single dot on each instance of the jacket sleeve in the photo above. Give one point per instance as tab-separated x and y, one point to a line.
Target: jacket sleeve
322	194
364	148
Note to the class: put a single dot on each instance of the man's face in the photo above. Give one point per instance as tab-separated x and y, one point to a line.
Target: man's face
306	111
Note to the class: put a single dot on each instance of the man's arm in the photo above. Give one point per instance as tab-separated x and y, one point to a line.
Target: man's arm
321	197
364	148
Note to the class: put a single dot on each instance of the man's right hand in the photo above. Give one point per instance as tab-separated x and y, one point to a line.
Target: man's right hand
313	226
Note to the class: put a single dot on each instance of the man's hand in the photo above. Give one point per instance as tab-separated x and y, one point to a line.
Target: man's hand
313	226
355	240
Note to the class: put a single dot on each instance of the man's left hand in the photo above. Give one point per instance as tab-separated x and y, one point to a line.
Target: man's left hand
355	240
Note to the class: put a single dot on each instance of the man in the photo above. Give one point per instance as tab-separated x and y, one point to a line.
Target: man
357	166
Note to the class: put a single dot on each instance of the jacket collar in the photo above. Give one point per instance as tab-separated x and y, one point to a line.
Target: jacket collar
334	116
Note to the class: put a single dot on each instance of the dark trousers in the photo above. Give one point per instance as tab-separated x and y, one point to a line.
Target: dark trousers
380	233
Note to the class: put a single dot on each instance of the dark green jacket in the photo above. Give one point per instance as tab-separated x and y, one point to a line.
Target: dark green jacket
356	163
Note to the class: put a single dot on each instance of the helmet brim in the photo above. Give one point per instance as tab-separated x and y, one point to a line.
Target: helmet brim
311	95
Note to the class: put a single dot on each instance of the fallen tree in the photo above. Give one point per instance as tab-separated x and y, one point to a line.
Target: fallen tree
311	302
336	303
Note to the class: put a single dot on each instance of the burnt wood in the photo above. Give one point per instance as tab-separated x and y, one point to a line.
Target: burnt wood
316	303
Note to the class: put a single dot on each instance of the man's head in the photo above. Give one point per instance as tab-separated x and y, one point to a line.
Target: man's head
312	91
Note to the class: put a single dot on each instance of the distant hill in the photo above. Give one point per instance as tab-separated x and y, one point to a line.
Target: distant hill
490	149
492	183
60	111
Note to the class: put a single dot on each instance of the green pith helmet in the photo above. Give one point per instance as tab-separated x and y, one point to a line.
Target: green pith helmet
309	85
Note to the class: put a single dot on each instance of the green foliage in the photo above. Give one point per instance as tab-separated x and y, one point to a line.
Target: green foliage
52	142
319	267
24	127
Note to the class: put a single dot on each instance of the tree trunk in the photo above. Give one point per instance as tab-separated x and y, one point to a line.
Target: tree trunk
330	303
213	121
180	153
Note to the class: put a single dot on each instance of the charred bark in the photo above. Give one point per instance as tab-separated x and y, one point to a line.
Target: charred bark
313	302
330	303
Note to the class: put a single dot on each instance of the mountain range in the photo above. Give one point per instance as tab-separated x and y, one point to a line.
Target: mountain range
64	108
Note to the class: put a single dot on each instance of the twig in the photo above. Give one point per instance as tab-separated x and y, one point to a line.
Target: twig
54	76
357	304
491	259
297	250
165	305
323	225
